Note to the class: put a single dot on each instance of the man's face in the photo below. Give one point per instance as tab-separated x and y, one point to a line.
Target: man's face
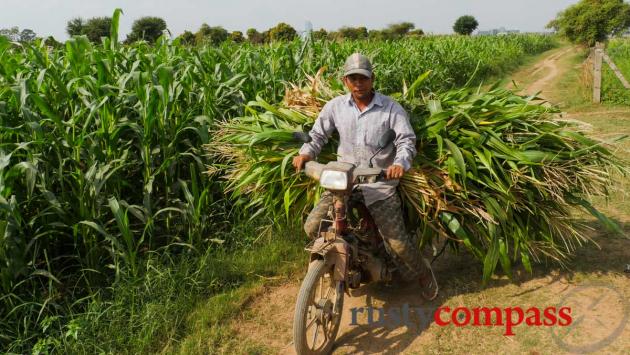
360	86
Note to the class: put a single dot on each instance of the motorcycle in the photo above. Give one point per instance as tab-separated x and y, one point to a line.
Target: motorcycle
347	253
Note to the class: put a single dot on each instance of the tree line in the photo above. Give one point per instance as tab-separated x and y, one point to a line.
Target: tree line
150	28
586	22
146	28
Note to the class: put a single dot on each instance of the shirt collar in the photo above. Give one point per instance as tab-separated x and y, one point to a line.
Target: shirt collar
377	100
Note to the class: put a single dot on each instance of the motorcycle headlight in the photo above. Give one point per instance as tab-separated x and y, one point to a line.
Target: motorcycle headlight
334	180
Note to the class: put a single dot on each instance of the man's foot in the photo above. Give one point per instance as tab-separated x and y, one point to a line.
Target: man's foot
428	282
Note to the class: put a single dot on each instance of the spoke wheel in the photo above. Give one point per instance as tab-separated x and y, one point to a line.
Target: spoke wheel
317	310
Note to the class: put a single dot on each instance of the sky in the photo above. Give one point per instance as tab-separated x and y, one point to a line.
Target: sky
49	17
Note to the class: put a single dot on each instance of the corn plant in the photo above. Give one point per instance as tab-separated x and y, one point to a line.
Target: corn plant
101	162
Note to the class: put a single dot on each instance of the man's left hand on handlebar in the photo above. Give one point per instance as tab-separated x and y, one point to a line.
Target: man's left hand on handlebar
300	160
394	172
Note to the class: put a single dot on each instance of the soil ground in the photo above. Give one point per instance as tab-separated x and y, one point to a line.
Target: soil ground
594	285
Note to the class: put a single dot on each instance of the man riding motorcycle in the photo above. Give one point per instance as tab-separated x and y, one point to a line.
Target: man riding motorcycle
360	118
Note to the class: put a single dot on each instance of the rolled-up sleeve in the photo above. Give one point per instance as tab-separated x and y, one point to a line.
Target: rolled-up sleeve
405	141
323	129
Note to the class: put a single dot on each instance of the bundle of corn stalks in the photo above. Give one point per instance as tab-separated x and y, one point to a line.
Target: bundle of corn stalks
495	172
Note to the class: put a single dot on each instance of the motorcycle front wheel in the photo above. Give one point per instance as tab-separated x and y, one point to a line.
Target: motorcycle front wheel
317	310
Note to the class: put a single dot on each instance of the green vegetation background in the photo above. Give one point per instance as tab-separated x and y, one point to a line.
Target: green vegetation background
612	89
113	232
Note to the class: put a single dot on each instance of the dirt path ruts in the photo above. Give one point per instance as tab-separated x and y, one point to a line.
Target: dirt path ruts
530	79
552	70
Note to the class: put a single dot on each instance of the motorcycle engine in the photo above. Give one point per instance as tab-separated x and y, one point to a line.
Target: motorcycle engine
378	270
354	278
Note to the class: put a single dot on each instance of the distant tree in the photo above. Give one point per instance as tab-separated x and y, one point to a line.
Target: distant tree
50	41
415	33
400	29
200	35
591	21
12	34
266	36
378	35
97	27
343	33
319	34
255	37
27	35
75	27
146	28
213	35
282	32
352	33
237	37
361	32
465	25
187	38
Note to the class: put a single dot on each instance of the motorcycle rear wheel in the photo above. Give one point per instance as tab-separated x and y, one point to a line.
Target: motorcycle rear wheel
317	311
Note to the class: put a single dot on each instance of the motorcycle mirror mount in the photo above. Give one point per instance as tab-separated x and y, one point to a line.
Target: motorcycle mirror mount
387	138
302	137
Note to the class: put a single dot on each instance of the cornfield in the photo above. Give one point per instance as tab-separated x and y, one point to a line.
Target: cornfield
612	89
101	147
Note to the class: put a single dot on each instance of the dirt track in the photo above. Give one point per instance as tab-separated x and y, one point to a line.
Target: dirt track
550	69
598	309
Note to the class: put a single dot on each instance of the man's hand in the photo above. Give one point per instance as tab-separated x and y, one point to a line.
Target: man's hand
300	160
394	172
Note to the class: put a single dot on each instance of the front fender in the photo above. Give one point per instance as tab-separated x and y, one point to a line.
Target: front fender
336	254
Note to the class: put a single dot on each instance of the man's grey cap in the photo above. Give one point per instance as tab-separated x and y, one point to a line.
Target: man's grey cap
357	63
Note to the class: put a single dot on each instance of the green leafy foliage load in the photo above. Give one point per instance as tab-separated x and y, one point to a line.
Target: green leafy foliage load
497	173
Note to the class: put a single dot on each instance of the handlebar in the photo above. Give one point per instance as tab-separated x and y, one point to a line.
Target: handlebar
314	170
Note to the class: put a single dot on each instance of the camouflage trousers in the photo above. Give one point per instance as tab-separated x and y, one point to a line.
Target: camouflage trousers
387	215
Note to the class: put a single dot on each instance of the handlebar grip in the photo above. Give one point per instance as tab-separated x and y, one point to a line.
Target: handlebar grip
313	169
